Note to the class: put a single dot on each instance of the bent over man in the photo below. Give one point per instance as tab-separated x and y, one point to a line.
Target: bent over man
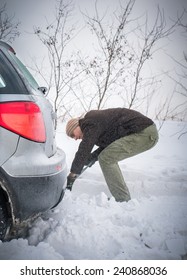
119	133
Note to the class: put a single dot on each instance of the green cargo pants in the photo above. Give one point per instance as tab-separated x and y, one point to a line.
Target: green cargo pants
120	149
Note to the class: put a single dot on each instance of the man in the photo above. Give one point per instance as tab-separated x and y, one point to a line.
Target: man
119	133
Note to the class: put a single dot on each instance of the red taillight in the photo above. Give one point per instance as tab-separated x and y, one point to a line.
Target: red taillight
23	118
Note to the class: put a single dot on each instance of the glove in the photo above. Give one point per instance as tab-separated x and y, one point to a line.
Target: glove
70	181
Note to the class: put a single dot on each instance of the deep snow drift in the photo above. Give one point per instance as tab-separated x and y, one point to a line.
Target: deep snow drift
86	225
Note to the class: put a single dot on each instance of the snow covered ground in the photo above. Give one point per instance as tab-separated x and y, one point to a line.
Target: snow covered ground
86	225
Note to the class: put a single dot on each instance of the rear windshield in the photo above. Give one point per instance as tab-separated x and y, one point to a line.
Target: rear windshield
24	71
10	81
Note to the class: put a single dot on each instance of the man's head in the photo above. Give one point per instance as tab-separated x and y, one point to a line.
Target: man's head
73	129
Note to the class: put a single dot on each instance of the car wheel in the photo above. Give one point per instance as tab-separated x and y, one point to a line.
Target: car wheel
4	222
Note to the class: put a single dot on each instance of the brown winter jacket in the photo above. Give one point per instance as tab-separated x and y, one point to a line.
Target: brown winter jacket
102	127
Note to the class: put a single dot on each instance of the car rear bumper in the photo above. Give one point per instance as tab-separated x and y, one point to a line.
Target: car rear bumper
30	196
30	160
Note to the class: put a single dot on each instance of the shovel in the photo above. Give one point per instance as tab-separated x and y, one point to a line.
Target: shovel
69	186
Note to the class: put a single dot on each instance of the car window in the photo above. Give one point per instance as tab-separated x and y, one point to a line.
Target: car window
10	81
24	71
2	82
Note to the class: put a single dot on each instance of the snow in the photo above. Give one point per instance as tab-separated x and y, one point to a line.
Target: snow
88	225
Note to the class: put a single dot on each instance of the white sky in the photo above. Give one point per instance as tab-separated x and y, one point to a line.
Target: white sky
35	13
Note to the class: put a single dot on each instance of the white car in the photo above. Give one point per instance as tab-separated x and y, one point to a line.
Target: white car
32	169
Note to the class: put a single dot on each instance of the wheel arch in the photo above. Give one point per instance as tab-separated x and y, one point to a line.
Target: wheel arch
5	192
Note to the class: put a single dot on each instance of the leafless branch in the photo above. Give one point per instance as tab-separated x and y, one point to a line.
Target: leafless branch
8	26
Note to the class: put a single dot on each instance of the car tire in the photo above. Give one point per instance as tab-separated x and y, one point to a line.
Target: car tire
4	221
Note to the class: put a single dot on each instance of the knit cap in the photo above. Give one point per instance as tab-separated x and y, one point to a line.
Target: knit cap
71	125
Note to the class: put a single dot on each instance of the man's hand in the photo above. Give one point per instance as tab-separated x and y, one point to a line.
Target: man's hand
70	180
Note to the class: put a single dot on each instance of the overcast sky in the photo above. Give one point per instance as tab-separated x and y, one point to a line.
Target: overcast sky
37	12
